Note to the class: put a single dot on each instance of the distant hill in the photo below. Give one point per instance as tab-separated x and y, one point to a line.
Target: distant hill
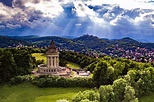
91	41
6	41
82	43
24	37
69	37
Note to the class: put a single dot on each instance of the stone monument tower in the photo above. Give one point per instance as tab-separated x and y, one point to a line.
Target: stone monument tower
52	64
52	58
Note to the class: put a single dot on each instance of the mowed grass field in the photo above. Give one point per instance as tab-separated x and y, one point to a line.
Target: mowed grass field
27	92
39	56
148	98
73	65
42	56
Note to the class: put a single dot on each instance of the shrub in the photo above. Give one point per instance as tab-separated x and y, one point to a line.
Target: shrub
56	81
19	79
87	96
106	93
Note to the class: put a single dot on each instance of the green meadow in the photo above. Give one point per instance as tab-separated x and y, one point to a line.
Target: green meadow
73	65
42	56
148	98
27	92
39	56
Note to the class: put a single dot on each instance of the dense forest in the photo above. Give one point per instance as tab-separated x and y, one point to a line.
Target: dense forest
15	62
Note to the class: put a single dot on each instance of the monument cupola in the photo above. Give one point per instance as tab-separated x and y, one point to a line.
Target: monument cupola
52	48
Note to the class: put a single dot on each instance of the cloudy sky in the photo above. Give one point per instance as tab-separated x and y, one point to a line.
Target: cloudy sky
104	18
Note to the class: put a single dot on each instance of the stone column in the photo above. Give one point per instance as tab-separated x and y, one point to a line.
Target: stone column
51	62
48	61
55	61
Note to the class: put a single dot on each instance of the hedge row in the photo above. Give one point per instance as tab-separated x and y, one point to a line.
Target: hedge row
53	81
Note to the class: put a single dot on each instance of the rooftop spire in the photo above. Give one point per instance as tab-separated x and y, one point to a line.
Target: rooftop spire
52	44
52	48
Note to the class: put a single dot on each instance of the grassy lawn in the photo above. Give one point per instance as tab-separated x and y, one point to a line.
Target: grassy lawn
73	65
39	56
148	98
27	92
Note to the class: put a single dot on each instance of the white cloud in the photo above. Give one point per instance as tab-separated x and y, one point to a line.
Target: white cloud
2	26
82	10
146	17
52	9
121	20
26	12
78	24
10	15
13	26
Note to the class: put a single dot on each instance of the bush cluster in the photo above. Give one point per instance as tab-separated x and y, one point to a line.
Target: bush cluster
53	81
19	79
87	96
56	81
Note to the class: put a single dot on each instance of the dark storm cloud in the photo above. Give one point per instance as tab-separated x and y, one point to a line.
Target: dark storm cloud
7	2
